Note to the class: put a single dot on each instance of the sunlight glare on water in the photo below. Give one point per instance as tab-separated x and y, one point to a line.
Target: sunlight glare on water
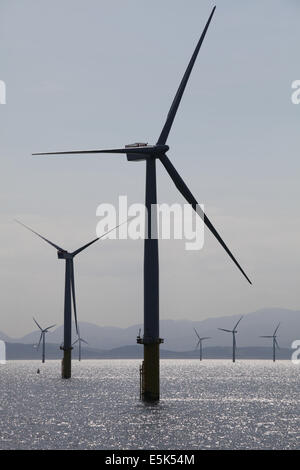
210	405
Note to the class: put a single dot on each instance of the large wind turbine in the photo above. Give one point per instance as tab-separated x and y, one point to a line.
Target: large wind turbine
79	340
69	296
151	153
275	344
42	337
234	331
200	342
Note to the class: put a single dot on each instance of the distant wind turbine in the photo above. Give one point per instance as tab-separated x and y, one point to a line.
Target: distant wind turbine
69	295
42	338
200	342
275	344
150	153
79	340
234	331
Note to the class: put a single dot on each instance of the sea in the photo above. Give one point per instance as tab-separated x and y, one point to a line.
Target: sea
213	404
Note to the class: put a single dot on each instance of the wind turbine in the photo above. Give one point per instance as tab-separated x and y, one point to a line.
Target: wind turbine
200	342
275	344
150	153
234	331
42	337
79	340
69	296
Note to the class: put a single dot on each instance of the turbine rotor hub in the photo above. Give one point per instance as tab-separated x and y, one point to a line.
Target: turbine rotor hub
64	255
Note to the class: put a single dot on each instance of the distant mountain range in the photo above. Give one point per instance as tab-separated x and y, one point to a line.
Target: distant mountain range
17	351
179	335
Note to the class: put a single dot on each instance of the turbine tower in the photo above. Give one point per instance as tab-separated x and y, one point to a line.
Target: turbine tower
234	331
150	153
42	337
200	342
79	340
69	296
275	344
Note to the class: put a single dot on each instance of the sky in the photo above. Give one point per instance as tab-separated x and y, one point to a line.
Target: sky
99	74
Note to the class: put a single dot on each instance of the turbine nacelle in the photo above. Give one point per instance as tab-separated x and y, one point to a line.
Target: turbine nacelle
141	151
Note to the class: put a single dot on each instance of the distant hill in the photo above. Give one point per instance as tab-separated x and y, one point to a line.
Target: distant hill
4	337
179	334
17	351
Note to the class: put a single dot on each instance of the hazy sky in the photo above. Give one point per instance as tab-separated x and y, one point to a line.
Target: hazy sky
91	74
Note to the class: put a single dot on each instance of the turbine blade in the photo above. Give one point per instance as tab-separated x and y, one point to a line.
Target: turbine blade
39	342
227	331
98	238
39	235
196	333
238	322
48	327
84	247
205	337
276	329
84	341
74	152
174	107
73	295
75	341
277	343
197	345
37	324
147	149
184	190
266	336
